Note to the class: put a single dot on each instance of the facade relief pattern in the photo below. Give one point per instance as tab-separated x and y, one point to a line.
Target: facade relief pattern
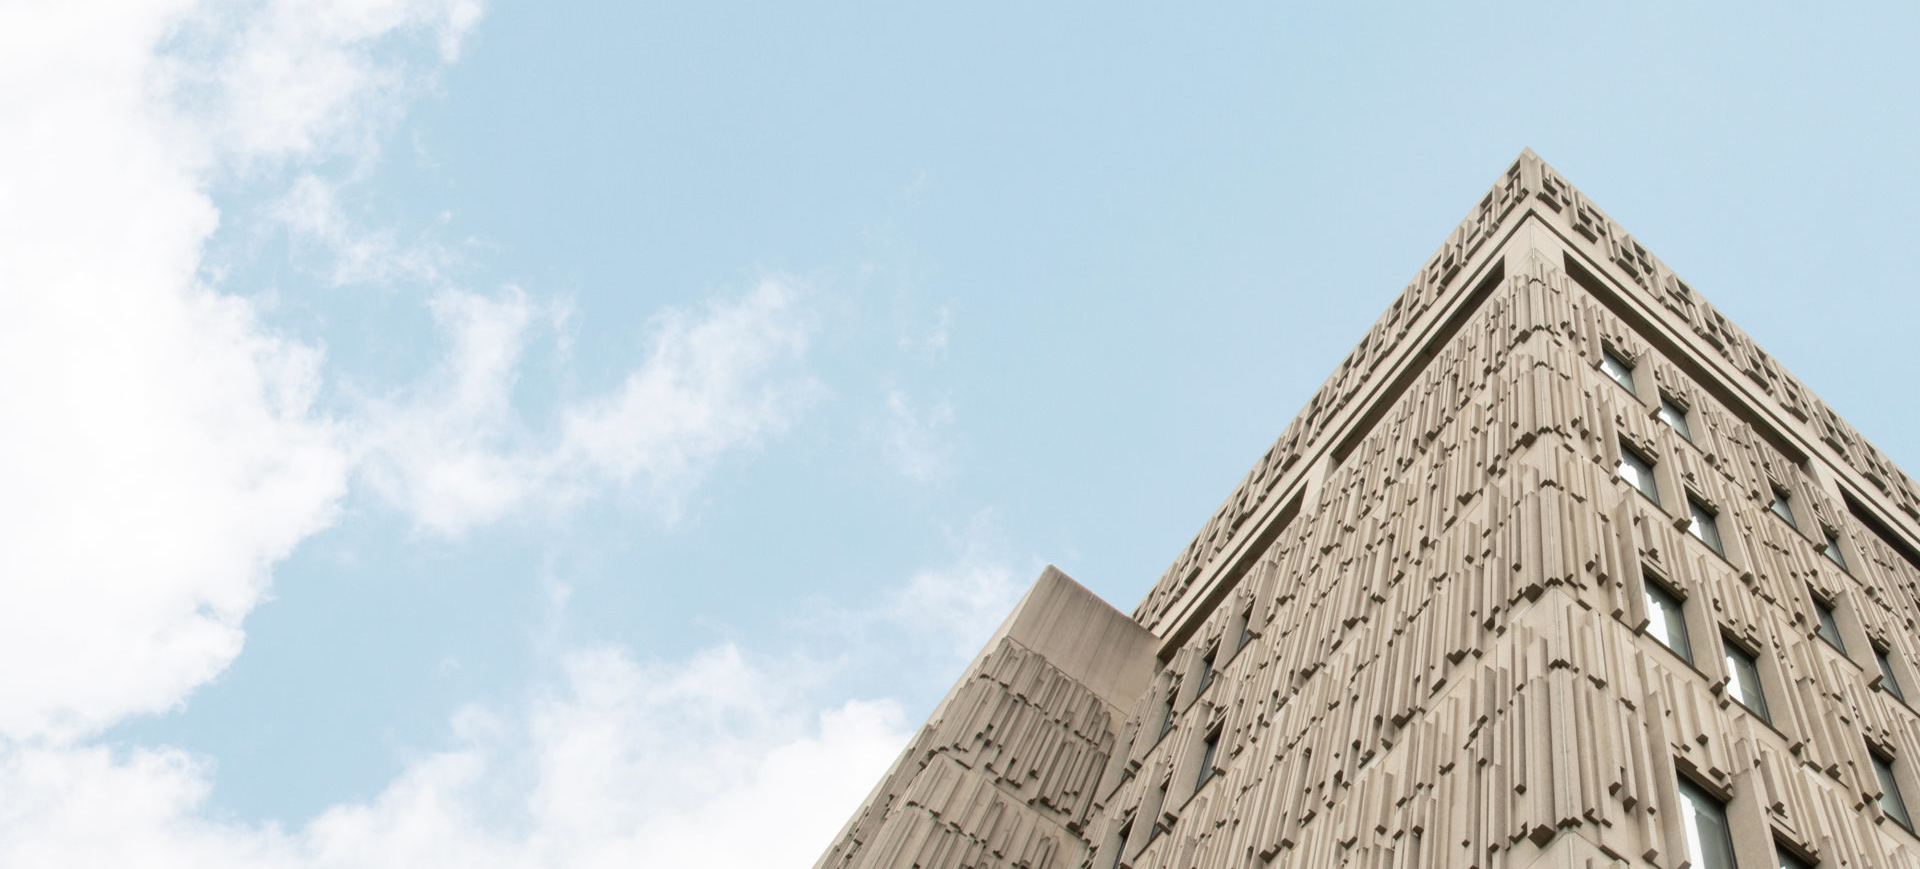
1455	651
1452	664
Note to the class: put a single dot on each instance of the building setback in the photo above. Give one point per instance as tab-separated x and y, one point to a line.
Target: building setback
1557	569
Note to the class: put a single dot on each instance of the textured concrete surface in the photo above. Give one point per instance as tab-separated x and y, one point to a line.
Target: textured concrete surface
1417	632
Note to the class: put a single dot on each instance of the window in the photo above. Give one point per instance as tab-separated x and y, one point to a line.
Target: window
1160	799
1708	840
1166	723
1206	758
1206	670
1704	527
1787	858
1120	846
1675	416
1783	507
1246	629
1831	549
1743	679
1637	470
1665	621
1829	629
1887	679
1890	800
1618	369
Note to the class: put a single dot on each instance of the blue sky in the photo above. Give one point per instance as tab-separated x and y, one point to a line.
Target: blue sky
447	432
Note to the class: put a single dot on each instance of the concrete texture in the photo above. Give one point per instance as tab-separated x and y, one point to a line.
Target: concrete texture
1416	634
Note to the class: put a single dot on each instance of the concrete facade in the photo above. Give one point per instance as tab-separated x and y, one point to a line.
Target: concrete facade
1558	569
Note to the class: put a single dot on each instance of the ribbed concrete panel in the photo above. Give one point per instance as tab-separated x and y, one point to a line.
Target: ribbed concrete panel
1437	624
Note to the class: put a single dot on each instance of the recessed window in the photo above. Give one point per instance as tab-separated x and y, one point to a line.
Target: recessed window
1206	758
1829	628
1703	526
1153	831
1637	470
1206	670
1120	846
1831	549
1675	416
1783	507
1887	679
1246	632
1618	369
1890	800
1166	723
1665	621
1708	839
1743	680
1788	860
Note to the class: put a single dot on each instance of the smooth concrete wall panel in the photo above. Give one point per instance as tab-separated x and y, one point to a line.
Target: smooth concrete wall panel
1084	636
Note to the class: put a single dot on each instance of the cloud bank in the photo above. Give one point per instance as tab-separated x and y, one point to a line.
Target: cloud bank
163	446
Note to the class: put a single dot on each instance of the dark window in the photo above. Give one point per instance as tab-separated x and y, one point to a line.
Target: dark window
1120	847
1831	549
1708	839
1788	860
1618	369
1743	680
1675	416
1246	629
1665	620
1153	832
1638	471
1783	507
1703	526
1206	759
1206	670
1866	519
1829	629
1887	679
1166	723
1890	799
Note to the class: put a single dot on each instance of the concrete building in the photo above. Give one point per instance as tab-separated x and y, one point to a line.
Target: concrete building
1558	569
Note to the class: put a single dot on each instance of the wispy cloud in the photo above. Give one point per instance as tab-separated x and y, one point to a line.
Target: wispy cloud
352	253
721	379
916	438
162	444
455	453
933	342
627	762
162	448
620	760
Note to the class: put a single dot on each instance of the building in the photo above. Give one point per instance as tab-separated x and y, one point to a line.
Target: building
1557	569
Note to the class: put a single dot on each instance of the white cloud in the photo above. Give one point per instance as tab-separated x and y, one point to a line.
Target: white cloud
962	602
450	450
161	444
161	449
932	345
915	440
311	209
270	81
716	761
455	453
720	381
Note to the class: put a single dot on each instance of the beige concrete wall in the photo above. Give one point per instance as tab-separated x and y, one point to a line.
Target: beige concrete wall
1004	771
1417	632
